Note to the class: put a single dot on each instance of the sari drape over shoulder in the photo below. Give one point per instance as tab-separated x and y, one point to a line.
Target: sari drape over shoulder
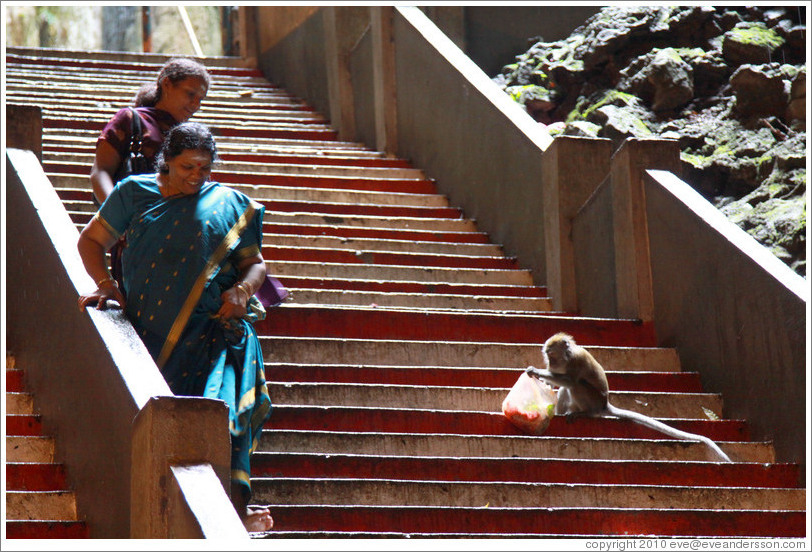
182	253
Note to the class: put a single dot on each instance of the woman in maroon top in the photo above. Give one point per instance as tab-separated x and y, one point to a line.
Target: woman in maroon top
173	98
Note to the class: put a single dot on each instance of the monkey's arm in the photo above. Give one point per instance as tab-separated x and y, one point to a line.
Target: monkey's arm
561	380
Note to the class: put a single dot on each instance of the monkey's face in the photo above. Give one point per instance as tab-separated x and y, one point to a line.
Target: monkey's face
557	353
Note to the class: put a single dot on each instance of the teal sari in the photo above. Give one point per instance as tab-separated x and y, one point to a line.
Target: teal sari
181	255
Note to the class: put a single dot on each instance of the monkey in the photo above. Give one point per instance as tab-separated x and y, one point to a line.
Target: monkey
584	389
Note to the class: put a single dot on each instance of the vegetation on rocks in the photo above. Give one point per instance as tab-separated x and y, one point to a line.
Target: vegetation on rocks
728	83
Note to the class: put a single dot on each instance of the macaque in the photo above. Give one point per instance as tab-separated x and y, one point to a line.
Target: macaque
584	389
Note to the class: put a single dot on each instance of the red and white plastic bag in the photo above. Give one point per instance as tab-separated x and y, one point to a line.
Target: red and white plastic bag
530	405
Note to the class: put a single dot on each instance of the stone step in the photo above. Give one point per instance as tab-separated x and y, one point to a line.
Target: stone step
480	399
41	505
488	376
238	143
82	218
62	58
402	234
367	184
413	420
247	91
507	446
377	491
414	468
268	154
420	301
399	273
366	244
19	403
36	488
369	324
230	115
272	253
652	521
405	286
485	354
54	159
72	187
275	177
229	102
111	76
27	448
270	130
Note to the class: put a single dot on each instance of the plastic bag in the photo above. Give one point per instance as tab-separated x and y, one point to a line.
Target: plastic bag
530	405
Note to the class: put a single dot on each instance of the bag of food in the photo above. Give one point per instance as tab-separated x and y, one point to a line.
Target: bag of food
530	405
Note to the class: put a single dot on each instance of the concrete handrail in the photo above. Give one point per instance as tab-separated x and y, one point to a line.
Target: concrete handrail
733	310
89	371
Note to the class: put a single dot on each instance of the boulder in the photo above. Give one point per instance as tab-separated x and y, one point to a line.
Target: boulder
750	42
760	90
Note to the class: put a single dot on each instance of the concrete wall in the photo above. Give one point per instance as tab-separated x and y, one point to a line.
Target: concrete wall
495	35
87	390
483	150
291	52
734	312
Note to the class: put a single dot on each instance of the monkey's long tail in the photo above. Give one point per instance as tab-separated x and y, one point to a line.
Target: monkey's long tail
657	425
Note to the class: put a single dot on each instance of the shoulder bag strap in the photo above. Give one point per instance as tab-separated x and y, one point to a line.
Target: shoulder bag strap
135	140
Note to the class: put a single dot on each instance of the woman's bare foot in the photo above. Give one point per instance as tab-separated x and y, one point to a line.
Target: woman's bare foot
257	520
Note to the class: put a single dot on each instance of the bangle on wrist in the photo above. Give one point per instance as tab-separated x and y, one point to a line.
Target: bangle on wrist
245	288
105	280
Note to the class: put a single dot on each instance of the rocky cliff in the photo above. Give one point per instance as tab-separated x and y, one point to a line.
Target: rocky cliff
728	83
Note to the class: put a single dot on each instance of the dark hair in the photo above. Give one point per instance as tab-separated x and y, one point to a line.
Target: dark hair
176	70
182	137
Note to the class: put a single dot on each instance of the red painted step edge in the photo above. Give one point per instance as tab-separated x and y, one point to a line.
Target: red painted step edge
23	424
31	476
376	233
343	256
47	530
393	420
561	521
360	209
121	65
701	474
414	287
677	382
307	321
15	381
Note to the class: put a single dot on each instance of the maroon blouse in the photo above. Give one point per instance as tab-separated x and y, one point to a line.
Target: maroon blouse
155	123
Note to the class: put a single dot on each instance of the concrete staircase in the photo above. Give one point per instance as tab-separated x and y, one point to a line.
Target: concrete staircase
405	331
39	501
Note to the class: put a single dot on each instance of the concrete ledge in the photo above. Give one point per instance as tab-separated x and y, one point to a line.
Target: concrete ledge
181	468
734	312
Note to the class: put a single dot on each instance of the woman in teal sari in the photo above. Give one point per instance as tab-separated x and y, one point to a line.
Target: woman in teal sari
190	269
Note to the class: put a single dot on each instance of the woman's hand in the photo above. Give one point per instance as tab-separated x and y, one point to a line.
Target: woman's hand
235	301
106	291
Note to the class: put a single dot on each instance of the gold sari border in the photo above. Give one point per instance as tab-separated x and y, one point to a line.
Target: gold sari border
200	284
107	226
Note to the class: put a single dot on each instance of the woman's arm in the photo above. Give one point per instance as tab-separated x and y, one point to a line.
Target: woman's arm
235	299
94	242
105	165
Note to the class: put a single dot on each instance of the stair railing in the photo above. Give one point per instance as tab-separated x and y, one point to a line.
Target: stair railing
143	462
